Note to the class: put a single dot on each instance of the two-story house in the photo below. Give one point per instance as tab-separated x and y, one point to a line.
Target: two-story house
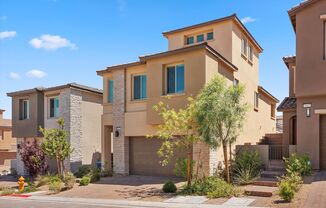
7	145
195	54
79	105
304	111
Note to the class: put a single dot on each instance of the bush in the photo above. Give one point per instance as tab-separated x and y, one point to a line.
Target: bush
56	186
95	175
169	187
298	164
43	180
213	187
84	181
83	171
294	180
286	191
247	167
7	191
69	180
31	187
181	167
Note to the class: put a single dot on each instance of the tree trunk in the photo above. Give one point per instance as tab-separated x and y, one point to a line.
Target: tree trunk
58	166
226	162
230	162
189	168
63	169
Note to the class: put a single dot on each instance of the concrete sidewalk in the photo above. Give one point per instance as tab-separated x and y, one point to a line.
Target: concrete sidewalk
116	203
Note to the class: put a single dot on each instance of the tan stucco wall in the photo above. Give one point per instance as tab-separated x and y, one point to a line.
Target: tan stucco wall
287	115
7	142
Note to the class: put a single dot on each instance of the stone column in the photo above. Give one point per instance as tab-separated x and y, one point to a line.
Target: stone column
120	143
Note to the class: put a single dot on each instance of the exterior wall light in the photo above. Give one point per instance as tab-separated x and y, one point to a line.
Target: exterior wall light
117	131
307	106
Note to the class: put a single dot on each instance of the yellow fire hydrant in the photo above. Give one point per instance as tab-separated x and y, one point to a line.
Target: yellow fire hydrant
21	183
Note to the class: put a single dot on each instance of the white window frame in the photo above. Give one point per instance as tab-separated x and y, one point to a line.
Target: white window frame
23	109
244	45
250	53
132	86
49	107
175	80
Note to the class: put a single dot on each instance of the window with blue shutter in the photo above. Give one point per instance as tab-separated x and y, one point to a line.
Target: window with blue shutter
175	79
110	90
140	87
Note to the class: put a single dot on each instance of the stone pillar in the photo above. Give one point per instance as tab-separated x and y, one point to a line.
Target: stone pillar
120	143
20	167
106	147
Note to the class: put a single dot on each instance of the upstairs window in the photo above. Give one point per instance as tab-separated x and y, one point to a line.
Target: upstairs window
250	53
110	91
54	107
273	111
175	79
210	36
235	82
190	40
200	38
244	45
139	88
24	109
256	101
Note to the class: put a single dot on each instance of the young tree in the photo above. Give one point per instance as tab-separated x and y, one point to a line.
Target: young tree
220	115
56	146
178	130
33	157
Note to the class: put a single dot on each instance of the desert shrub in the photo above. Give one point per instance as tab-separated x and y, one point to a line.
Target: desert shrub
56	186
33	157
95	175
7	191
43	180
69	180
286	191
82	171
298	164
294	180
213	187
84	181
169	187
181	167
31	187
247	167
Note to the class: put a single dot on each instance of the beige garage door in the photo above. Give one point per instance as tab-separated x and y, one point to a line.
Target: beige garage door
323	142
144	159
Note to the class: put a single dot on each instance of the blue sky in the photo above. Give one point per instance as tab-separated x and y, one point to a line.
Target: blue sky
52	42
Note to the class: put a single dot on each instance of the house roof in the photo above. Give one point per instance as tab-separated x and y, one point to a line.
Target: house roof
231	17
289	59
268	94
289	103
143	59
294	10
5	123
43	89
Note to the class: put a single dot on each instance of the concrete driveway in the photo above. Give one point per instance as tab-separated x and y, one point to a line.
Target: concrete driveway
132	187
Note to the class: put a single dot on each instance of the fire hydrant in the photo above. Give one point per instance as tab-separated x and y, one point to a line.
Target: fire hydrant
21	183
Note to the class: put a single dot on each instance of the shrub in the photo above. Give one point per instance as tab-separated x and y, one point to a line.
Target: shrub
213	187
84	181
43	180
95	175
31	187
55	186
69	180
286	191
82	171
298	164
7	191
294	180
181	167
169	187
247	167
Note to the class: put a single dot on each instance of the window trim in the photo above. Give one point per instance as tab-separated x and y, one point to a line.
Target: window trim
175	80
245	47
212	36
22	113
256	101
49	107
193	40
195	35
133	87
273	113
203	35
250	53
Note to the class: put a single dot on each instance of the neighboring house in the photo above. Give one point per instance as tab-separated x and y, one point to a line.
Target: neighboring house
304	111
7	145
195	54
81	108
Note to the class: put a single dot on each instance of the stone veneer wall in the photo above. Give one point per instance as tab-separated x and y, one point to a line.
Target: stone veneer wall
120	144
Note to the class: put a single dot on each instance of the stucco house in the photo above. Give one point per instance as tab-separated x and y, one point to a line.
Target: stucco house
304	110
195	54
7	145
79	105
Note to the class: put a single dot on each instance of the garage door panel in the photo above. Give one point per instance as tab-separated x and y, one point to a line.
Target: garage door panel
144	160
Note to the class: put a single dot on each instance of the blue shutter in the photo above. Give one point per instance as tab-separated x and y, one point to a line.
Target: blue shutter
110	96
56	107
180	78
143	86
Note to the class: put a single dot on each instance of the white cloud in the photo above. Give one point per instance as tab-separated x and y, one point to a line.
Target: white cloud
247	20
51	42
14	75
7	34
36	74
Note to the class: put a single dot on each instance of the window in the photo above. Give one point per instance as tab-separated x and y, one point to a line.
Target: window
54	107
190	40
110	91
256	104
210	36
139	87
244	44
272	111
24	109
200	38
250	53
175	79
235	82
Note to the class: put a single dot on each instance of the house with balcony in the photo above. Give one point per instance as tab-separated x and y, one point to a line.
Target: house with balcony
79	105
7	145
195	54
304	110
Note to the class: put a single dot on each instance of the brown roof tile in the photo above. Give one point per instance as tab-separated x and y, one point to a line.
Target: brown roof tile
289	103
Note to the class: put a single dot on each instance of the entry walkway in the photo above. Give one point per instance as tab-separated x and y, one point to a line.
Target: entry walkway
317	194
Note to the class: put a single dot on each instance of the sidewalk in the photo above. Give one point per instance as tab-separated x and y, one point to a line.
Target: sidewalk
118	203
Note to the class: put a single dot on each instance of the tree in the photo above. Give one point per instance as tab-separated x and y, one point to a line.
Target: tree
178	130
56	146
220	115
33	157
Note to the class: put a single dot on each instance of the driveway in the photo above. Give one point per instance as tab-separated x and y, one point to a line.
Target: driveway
317	194
132	187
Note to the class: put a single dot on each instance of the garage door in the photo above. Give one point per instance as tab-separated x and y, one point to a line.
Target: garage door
144	160
323	142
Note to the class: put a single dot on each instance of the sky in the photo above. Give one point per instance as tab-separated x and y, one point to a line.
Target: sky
52	42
